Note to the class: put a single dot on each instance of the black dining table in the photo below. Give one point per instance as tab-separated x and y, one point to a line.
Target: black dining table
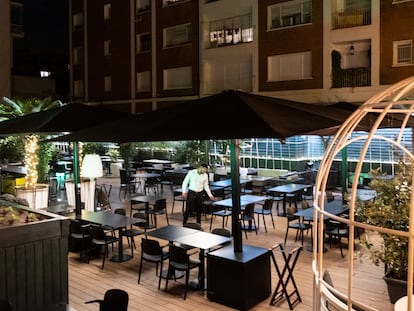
147	199
226	183
115	221
287	189
244	200
336	207
194	238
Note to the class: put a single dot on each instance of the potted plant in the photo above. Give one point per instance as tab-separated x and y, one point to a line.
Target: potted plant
390	209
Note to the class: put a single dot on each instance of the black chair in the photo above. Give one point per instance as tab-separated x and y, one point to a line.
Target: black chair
336	230
221	231
151	251
193	225
265	209
180	260
79	232
130	233
296	223
151	185
159	208
127	183
247	215
101	240
114	300
178	197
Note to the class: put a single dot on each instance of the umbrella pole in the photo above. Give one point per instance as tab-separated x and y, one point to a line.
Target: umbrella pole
235	194
78	207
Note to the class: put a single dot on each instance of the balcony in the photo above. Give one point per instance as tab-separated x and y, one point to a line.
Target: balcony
17	30
351	77
351	18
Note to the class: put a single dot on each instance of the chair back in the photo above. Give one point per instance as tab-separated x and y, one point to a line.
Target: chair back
123	175
120	211
76	227
151	247
178	256
115	299
248	210
98	233
221	231
268	204
160	205
193	225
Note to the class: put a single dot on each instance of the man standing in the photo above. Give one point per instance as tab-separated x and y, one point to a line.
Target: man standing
194	184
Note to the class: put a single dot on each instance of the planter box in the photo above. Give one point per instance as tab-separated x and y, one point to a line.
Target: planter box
34	261
37	197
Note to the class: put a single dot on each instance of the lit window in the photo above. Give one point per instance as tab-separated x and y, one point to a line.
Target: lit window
231	31
107	11
142	5
78	55
107	83
297	66
44	73
107	48
290	13
143	42
144	81
177	35
403	53
78	89
177	78
77	20
170	2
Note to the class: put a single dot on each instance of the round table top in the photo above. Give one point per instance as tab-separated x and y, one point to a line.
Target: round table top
401	304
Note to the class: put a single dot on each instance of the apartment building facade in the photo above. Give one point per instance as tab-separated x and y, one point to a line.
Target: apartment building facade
145	54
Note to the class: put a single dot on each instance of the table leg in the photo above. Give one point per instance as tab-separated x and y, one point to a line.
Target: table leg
121	256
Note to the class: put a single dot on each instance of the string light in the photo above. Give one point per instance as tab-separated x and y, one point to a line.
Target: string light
31	160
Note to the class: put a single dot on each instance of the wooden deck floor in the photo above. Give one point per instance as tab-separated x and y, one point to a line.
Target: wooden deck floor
88	281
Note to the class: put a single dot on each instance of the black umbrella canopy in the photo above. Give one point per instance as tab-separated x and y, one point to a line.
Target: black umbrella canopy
228	115
66	118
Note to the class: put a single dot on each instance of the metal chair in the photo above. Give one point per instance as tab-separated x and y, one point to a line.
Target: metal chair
101	240
114	299
180	260
159	208
247	215
151	251
81	233
265	209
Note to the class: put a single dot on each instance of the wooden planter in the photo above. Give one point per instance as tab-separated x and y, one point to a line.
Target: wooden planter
34	262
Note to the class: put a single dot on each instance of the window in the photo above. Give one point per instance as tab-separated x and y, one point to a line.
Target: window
297	66
78	90
77	20
107	83
143	5
45	73
403	53
169	2
107	11
143	42
231	31
107	48
78	55
291	13
177	78
177	35
144	81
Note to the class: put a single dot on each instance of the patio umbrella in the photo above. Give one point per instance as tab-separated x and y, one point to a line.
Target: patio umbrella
227	115
66	118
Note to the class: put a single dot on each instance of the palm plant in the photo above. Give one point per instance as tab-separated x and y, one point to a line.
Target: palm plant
12	108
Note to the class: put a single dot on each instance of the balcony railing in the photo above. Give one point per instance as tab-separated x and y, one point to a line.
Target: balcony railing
352	77
351	18
17	30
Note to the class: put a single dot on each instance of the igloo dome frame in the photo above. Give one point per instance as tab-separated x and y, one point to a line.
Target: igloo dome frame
396	101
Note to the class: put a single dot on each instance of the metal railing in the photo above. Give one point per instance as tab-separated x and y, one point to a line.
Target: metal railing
351	18
352	77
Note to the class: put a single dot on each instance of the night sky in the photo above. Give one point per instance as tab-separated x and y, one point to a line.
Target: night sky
46	41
